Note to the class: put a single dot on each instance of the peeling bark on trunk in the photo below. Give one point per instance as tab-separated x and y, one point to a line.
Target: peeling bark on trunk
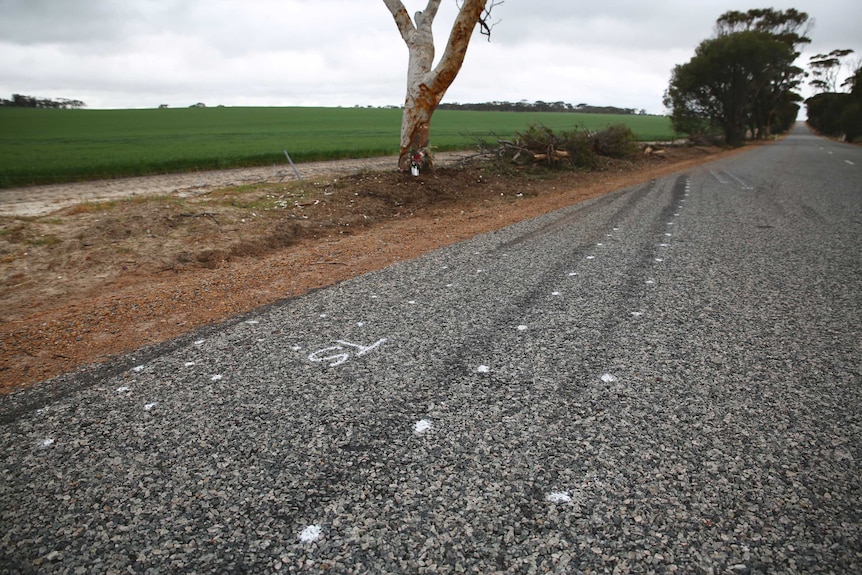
426	85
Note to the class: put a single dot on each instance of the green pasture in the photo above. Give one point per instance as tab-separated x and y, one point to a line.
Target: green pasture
43	146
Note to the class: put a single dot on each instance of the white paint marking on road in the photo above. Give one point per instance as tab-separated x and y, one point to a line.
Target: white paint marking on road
591	257
522	328
411	301
122	389
188	364
659	259
360	323
721	180
637	313
600	244
342	355
48	442
558	497
138	368
149	406
571	274
310	534
849	162
483	369
650	282
216	377
199	342
556	293
669	235
323	315
609	378
422	426
662	245
296	347
252	322
450	285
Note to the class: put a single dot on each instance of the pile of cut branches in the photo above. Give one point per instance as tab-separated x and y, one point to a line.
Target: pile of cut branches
576	148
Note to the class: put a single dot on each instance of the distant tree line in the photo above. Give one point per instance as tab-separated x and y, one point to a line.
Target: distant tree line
21	101
540	106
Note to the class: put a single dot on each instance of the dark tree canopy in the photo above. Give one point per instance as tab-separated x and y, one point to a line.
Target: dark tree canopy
742	80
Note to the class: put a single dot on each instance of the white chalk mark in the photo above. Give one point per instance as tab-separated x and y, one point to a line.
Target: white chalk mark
558	497
48	442
609	378
483	369
339	358
216	377
310	534
422	426
149	406
123	389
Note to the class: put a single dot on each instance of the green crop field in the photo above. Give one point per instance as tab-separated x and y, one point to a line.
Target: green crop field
42	146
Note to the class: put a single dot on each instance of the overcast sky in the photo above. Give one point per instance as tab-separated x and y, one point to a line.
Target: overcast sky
142	53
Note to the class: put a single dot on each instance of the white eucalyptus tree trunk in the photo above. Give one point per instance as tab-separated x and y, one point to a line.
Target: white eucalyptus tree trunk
426	84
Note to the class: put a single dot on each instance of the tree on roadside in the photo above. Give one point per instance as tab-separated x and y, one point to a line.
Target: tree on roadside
826	68
427	84
742	80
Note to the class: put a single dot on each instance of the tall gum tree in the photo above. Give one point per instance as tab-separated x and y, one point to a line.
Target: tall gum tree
427	84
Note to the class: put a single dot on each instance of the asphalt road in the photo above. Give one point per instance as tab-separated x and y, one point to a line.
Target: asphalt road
665	379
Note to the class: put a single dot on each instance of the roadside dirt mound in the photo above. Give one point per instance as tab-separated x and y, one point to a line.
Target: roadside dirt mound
98	278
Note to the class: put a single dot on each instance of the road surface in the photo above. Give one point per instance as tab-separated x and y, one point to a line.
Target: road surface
665	379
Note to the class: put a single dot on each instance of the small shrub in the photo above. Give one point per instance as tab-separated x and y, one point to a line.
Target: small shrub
614	142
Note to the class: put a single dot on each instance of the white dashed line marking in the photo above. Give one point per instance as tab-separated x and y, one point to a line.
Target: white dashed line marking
849	162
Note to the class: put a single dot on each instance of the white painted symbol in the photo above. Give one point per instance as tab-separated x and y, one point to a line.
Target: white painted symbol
310	534
422	426
343	355
558	497
609	378
483	369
